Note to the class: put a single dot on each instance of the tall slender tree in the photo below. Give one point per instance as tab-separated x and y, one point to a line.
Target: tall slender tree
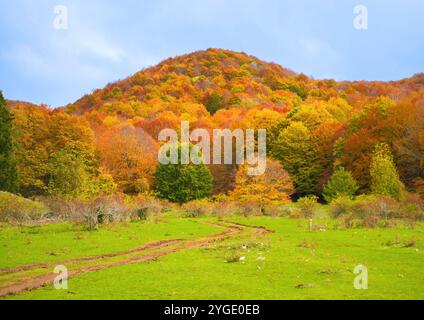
8	173
384	176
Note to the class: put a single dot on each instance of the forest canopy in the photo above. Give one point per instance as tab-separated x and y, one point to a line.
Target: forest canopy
314	128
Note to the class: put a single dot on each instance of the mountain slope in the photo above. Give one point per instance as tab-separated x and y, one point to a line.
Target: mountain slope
215	78
341	122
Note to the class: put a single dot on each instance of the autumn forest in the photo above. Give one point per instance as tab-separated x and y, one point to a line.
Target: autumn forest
109	137
340	156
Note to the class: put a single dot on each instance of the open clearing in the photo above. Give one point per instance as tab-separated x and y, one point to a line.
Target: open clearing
204	258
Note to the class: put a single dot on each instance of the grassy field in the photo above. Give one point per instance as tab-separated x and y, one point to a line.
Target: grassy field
290	263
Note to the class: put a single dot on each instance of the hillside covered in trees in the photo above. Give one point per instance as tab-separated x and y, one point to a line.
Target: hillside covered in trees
107	141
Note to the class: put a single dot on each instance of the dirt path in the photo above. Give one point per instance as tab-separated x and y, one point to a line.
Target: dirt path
156	250
151	245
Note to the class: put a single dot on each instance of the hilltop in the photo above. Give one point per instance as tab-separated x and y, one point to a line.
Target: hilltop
222	79
215	78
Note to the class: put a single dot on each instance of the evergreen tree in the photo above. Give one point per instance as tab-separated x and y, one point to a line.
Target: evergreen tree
340	184
182	183
214	104
8	173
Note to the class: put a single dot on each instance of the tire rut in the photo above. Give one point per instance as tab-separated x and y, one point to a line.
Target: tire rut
159	248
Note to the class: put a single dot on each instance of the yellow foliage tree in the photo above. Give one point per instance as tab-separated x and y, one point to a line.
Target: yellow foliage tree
273	187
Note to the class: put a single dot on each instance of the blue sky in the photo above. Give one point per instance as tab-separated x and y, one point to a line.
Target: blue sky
107	40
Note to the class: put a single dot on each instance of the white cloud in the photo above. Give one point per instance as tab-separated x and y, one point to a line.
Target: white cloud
316	48
86	44
99	46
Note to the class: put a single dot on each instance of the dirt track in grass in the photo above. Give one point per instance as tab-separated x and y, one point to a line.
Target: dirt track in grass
148	252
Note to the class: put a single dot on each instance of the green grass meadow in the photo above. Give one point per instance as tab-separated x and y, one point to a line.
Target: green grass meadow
290	263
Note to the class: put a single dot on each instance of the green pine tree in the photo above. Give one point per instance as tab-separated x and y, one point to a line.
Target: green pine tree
214	104
182	183
340	184
8	173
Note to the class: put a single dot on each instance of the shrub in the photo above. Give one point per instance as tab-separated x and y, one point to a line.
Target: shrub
412	214
341	206
105	211
145	207
415	199
341	183
233	256
142	213
15	209
296	213
308	205
272	210
198	208
103	185
378	211
110	209
412	209
225	206
250	208
102	210
366	211
285	211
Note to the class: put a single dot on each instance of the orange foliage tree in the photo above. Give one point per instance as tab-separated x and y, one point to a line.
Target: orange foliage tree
129	154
